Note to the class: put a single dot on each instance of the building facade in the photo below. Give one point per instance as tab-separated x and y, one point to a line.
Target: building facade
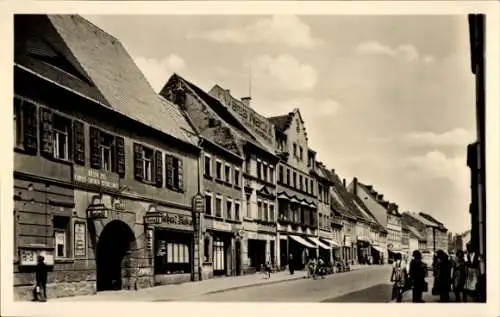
240	193
105	172
297	191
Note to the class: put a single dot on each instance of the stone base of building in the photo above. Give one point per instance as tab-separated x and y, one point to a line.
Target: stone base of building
166	279
55	290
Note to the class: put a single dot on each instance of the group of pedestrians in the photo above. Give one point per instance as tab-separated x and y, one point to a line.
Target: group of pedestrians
463	275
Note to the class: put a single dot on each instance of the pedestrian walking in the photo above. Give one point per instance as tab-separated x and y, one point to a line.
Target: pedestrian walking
290	264
444	277
418	273
459	276
398	278
268	269
311	268
40	291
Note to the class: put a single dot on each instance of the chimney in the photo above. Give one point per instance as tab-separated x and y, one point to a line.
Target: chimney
355	186
246	101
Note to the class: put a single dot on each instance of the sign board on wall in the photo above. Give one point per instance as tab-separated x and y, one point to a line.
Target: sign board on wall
29	257
94	177
80	241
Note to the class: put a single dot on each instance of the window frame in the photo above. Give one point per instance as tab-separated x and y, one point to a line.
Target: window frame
219	197
229	211
228	173
209	157
219	176
237	211
209	194
144	160
237	176
57	132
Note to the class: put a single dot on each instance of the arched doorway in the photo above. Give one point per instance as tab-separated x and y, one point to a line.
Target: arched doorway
114	256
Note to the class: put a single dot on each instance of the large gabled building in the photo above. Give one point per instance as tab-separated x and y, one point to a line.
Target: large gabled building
105	170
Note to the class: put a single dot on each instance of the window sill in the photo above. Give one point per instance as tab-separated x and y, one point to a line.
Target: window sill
64	260
238	187
228	184
220	181
209	177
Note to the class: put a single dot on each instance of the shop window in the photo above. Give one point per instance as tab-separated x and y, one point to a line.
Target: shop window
218	206
236	177
61	137
172	253
61	237
271	174
208	166
229	209
218	170
227	173
208	203
237	210
280	174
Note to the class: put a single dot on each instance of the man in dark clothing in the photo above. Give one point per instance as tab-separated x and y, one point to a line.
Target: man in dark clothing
291	264
41	279
417	276
444	274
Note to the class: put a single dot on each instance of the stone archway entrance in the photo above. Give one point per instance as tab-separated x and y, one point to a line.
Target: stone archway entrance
114	257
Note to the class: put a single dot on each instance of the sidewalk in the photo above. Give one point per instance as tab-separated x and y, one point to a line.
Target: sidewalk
427	297
194	289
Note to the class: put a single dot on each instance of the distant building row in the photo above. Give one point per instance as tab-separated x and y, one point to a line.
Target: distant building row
119	187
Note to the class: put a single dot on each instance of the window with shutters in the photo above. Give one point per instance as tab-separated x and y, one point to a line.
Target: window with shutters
61	130
218	206
26	126
147	164
106	148
79	142
175	173
208	203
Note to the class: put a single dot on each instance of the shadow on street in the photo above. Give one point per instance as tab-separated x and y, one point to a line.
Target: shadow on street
380	293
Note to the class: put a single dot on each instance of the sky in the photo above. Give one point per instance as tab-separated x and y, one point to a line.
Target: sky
386	99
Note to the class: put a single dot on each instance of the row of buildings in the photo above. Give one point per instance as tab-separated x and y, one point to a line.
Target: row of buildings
119	187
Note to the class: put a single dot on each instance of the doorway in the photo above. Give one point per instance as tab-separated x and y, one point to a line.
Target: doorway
238	257
114	256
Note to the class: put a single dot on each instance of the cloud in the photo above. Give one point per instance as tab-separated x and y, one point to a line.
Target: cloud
309	107
435	164
157	71
284	72
406	52
283	29
457	137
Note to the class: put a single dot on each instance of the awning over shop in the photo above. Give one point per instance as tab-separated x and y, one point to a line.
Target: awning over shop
319	243
283	196
294	200
332	243
378	248
304	203
302	241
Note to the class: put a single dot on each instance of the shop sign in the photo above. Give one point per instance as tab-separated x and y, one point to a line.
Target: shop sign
222	226
198	204
80	241
88	176
29	257
174	219
153	218
97	211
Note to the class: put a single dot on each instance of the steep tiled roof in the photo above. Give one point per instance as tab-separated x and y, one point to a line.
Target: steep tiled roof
415	233
108	73
282	123
423	220
432	219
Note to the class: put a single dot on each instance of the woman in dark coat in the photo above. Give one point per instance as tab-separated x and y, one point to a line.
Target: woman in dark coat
444	273
418	272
